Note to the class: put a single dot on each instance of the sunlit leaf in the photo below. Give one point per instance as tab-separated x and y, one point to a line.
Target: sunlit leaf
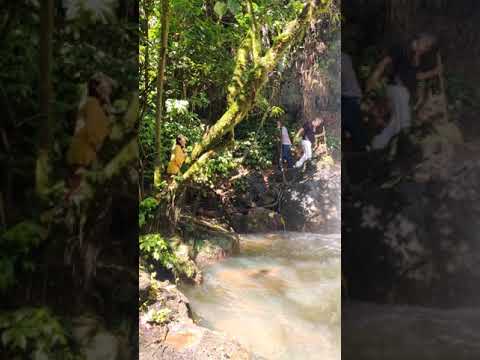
220	9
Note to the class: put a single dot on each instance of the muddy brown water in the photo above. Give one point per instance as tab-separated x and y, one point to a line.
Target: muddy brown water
280	298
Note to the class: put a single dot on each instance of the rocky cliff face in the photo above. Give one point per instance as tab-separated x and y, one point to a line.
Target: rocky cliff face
310	88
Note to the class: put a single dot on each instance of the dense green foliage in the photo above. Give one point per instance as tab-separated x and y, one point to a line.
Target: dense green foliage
156	247
204	39
87	38
16	246
147	210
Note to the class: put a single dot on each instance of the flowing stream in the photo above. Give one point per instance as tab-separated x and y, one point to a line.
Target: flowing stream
280	297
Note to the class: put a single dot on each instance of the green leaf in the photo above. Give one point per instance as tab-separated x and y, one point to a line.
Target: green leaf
234	6
220	9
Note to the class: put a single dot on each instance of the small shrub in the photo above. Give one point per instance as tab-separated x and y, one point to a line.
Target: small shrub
15	246
155	247
147	208
161	316
35	333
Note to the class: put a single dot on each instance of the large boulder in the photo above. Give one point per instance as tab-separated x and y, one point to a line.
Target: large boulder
312	203
301	200
215	248
209	240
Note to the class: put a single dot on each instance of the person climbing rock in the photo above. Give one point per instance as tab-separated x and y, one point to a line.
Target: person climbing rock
407	68
178	156
286	145
351	99
91	129
308	141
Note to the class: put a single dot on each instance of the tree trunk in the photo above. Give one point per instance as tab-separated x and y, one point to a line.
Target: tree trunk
160	87
146	11
46	125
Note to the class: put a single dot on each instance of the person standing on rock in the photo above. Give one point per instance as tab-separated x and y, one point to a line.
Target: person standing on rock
308	140
286	145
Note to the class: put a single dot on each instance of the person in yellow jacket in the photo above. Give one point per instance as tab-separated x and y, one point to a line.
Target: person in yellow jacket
91	129
178	156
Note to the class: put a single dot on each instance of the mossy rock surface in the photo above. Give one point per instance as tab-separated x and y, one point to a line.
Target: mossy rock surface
210	241
215	248
185	267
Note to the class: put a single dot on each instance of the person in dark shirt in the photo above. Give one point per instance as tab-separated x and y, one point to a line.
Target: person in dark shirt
406	69
309	132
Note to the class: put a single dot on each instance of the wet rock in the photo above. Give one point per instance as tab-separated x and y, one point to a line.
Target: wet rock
209	240
216	248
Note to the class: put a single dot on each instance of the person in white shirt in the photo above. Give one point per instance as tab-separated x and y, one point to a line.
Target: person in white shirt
307	131
286	146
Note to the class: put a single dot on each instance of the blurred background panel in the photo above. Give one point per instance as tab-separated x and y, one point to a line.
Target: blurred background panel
409	201
68	190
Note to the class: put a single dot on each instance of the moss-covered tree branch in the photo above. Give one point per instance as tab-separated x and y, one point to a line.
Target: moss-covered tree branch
248	79
255	34
127	155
